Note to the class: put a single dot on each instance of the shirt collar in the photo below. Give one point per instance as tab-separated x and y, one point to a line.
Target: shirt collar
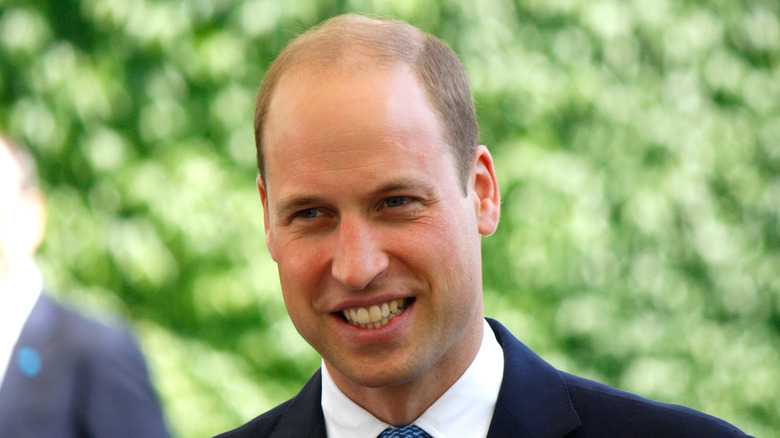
464	410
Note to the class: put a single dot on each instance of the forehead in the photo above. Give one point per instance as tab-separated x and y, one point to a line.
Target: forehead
339	110
348	90
338	132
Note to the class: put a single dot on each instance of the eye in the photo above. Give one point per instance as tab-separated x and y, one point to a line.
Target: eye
310	220
309	213
397	201
401	206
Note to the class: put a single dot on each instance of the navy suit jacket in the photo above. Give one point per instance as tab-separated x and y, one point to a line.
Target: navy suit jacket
71	377
535	400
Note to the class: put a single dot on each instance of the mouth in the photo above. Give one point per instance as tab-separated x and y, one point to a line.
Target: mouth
376	316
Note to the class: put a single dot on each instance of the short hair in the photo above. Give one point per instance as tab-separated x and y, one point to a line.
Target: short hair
387	42
28	171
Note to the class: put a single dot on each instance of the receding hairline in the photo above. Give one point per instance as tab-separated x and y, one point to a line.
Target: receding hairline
315	76
350	41
345	42
361	43
353	37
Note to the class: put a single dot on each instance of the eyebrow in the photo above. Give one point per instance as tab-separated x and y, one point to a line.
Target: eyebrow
394	186
426	189
297	202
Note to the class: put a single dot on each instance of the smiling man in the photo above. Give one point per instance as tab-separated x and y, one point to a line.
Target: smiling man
376	196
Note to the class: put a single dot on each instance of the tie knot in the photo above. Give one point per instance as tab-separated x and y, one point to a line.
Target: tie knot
410	431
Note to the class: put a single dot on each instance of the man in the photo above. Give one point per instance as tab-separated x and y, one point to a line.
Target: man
61	375
376	195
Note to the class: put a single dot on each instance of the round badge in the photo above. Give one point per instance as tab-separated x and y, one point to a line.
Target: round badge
29	361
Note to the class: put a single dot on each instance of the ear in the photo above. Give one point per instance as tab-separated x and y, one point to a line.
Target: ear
264	200
484	187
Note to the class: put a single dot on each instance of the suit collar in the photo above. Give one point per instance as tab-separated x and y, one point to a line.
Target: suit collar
533	400
19	291
39	337
304	418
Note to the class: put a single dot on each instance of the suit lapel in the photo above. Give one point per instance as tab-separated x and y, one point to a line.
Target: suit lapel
304	418
30	369
533	400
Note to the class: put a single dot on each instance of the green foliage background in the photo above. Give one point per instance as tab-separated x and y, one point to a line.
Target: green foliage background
638	152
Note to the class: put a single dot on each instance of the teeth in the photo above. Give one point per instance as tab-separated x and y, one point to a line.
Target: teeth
375	316
362	316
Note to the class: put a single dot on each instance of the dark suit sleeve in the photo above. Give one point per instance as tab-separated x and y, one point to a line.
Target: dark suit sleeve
537	400
299	417
117	398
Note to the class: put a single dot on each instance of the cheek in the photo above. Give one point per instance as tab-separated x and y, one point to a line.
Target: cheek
298	294
295	304
296	256
302	265
451	240
453	255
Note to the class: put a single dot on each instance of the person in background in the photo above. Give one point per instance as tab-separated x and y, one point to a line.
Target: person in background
61	375
376	194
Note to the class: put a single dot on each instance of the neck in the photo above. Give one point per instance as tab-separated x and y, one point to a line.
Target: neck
401	404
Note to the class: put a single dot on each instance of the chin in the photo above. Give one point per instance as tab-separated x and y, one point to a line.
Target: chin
381	375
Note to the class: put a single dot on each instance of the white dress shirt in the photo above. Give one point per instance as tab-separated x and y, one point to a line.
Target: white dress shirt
18	294
465	410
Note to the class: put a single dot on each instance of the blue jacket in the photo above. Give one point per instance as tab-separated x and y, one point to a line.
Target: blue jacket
71	377
535	400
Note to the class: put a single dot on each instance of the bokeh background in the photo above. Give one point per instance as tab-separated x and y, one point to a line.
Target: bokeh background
637	147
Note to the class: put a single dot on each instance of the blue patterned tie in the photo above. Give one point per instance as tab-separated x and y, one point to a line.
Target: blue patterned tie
410	431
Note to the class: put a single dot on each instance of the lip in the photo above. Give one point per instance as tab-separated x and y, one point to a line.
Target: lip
355	303
364	336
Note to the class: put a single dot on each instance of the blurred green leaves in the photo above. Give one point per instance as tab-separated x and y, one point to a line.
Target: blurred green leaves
638	152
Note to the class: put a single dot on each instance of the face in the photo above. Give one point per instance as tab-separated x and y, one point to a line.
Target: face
20	220
377	244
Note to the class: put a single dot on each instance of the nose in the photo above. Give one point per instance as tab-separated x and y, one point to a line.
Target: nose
359	257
